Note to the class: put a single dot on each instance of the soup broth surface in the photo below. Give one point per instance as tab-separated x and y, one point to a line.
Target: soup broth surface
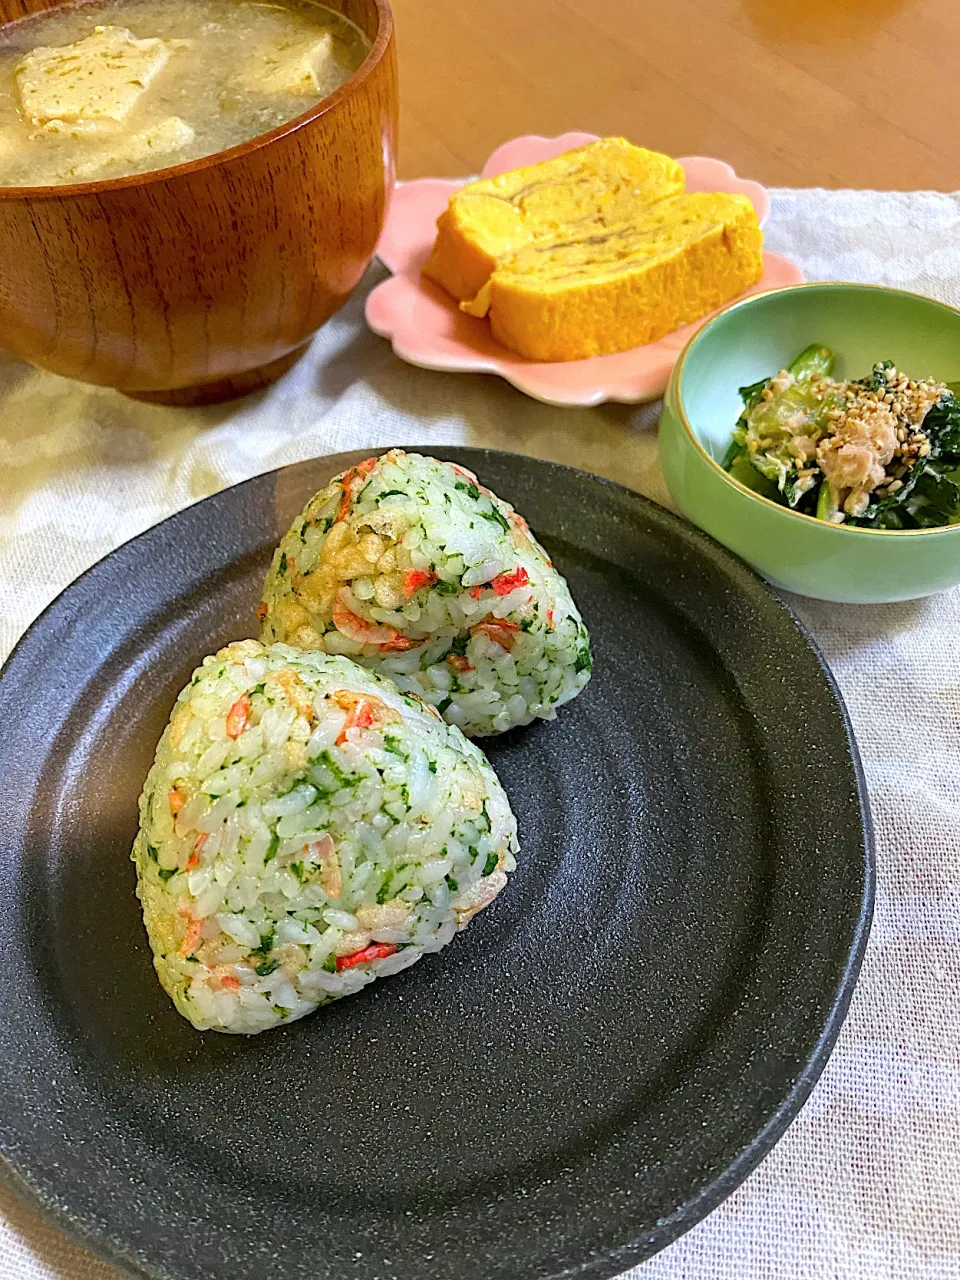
95	91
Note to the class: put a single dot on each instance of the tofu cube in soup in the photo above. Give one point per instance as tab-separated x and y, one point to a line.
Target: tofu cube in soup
98	79
163	139
291	64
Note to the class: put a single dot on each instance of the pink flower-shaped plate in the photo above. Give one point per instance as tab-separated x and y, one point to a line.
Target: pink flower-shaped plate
427	328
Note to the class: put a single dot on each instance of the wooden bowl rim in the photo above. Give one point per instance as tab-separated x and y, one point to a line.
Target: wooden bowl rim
240	151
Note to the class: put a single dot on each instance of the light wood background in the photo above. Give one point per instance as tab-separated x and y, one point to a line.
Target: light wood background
862	93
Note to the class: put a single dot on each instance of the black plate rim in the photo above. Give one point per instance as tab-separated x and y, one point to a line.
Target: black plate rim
711	1195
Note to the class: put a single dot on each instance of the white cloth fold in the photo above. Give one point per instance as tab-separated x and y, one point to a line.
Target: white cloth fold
866	1183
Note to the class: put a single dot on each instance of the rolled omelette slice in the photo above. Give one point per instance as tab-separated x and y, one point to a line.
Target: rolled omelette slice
410	566
306	829
603	181
617	287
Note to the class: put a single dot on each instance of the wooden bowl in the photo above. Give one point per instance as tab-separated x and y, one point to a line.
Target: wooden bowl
204	281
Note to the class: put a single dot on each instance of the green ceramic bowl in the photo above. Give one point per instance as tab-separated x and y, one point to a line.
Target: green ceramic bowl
753	339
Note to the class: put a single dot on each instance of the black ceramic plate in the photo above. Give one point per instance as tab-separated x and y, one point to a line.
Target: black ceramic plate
581	1076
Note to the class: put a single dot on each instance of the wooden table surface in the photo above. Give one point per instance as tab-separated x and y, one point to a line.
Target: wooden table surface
860	93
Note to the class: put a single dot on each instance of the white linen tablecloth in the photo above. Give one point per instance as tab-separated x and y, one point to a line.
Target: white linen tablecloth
866	1183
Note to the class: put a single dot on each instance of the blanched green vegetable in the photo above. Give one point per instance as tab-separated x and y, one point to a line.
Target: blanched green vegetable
814	362
879	452
777	413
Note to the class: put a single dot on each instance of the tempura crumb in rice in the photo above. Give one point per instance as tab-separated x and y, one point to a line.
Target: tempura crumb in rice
305	829
410	566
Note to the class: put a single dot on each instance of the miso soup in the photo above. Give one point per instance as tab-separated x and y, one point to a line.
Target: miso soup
94	91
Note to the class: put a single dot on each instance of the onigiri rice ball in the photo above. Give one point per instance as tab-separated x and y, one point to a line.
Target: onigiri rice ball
306	829
411	567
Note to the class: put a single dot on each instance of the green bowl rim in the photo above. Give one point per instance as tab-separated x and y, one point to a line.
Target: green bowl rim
742	488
